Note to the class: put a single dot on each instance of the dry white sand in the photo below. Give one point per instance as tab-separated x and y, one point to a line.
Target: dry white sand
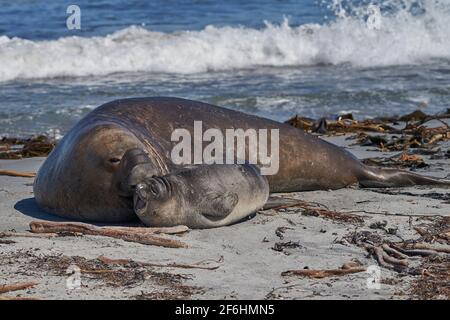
250	269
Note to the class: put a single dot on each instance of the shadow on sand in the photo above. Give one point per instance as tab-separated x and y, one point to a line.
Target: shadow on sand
30	208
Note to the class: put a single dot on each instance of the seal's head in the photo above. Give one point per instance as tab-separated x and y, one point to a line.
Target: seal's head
159	201
91	172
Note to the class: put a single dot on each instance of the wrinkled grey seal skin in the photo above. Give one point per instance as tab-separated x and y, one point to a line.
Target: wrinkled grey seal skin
204	196
87	177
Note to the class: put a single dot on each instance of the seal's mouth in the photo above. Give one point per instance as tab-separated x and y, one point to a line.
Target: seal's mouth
139	204
140	200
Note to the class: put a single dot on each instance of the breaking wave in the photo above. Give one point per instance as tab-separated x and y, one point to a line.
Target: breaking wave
372	34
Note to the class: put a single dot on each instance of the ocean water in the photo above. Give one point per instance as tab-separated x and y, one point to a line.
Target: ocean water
273	58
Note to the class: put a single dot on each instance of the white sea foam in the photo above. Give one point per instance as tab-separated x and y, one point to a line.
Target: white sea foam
366	36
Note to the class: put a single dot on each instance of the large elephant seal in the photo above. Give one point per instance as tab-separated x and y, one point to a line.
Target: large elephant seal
93	172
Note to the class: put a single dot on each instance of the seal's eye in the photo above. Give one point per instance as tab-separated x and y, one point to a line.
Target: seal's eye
154	188
114	160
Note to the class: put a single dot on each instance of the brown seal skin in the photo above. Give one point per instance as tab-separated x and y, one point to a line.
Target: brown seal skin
83	178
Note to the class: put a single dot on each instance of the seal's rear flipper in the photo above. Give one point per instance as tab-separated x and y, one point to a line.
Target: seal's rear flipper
372	177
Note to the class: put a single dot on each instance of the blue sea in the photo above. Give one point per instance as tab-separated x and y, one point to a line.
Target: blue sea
273	58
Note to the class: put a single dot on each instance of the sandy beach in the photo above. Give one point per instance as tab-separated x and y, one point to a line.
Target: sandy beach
248	258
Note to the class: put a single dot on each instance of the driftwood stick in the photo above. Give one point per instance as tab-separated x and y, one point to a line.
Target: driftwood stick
380	258
27	235
378	253
392	214
394	252
83	228
16	286
147	239
394	261
97	271
426	246
77	227
387	261
13	173
7	298
414	252
198	265
165	230
71	227
319	274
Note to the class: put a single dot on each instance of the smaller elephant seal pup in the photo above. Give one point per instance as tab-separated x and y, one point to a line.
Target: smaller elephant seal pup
201	196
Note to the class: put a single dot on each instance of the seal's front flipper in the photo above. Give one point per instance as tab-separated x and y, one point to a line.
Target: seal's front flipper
217	206
201	197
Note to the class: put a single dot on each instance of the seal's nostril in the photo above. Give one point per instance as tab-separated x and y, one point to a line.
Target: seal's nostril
114	160
141	191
